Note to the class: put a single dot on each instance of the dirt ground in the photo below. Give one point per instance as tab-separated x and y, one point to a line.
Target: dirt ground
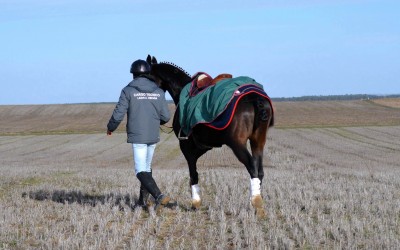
93	118
332	180
389	102
324	188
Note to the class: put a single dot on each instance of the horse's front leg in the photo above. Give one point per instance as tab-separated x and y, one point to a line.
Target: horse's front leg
192	154
194	184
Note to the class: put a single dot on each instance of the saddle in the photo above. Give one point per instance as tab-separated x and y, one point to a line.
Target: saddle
221	77
203	80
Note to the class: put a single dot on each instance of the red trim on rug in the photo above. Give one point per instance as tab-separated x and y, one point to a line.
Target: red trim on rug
208	124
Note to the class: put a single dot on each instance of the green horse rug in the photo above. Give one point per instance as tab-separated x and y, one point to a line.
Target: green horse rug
214	105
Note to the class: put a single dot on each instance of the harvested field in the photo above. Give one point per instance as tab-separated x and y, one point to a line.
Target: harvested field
326	186
388	102
92	118
336	113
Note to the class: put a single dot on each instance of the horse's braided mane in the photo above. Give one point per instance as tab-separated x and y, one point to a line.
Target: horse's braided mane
176	66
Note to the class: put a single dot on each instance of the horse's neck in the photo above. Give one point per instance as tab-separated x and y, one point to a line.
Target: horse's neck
175	95
175	79
176	92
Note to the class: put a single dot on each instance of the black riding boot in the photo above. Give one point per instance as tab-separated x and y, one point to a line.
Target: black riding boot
146	179
143	196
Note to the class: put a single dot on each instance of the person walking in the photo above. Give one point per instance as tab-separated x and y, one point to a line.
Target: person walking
146	108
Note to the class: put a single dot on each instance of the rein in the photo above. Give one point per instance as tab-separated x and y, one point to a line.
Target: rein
166	132
162	128
168	127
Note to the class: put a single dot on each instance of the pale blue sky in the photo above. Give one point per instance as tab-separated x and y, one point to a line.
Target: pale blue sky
80	51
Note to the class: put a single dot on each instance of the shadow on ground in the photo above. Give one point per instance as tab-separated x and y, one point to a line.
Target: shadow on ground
68	197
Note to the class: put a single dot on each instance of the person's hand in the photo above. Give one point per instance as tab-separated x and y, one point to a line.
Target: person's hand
109	132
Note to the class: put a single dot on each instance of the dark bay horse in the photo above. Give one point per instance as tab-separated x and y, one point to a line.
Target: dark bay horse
246	125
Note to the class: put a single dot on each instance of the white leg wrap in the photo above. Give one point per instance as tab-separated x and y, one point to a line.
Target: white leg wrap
196	192
255	186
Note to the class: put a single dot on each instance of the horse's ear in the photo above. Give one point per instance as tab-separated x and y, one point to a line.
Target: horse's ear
148	59
153	60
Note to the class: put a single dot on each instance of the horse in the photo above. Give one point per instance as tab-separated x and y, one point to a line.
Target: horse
246	125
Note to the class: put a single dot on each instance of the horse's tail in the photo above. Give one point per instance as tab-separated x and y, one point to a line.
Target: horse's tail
263	111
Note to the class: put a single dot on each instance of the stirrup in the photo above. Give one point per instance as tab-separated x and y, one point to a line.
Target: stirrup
181	138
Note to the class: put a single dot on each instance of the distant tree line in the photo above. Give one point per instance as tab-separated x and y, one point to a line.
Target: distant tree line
333	97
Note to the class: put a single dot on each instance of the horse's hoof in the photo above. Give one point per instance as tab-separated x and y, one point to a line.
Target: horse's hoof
196	204
257	201
260	213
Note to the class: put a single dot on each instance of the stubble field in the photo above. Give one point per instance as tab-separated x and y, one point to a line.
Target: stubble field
332	181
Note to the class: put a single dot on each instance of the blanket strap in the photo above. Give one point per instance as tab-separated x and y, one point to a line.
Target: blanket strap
180	137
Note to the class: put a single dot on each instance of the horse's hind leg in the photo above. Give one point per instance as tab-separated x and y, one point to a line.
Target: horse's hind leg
192	154
257	143
255	183
250	162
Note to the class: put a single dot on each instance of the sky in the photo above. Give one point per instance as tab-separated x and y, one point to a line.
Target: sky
77	51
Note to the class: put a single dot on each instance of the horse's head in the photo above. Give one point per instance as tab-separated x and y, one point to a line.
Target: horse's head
169	77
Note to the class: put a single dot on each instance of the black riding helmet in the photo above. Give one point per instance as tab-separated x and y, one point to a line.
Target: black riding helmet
140	67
